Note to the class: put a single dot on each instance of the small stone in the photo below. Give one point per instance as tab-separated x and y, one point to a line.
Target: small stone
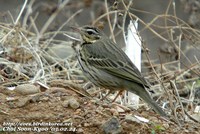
166	125
78	111
86	124
100	108
72	102
80	130
65	103
68	120
26	89
93	101
114	112
112	126
85	103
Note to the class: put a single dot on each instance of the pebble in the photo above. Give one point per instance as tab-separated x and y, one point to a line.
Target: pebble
26	89
112	126
72	102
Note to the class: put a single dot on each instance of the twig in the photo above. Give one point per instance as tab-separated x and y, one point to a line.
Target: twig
23	7
109	23
28	12
178	96
191	117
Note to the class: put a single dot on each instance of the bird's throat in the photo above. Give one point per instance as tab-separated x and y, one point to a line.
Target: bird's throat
88	40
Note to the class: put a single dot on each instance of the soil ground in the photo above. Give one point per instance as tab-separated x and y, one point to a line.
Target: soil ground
50	112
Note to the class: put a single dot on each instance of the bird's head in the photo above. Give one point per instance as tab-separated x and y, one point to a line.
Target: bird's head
89	34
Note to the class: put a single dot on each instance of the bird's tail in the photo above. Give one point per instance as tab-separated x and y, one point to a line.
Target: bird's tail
147	98
144	94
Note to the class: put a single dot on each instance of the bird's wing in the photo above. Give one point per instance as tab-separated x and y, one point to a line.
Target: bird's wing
113	60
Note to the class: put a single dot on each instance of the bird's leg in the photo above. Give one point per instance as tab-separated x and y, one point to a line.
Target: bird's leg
119	93
96	92
110	91
106	95
102	89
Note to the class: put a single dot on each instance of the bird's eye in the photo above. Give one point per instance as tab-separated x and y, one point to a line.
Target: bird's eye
89	32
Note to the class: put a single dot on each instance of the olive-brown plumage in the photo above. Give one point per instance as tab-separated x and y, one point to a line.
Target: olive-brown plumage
106	65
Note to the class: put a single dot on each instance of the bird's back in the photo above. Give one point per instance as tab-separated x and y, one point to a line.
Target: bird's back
106	57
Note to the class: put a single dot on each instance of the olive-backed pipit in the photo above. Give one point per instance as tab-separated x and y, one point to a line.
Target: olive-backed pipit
106	65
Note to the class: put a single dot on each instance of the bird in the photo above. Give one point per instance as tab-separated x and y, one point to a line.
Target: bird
106	65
